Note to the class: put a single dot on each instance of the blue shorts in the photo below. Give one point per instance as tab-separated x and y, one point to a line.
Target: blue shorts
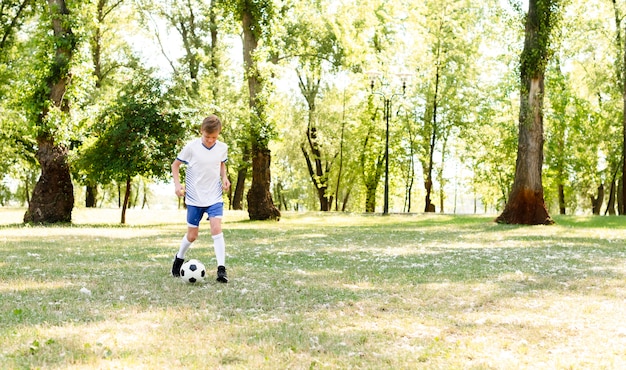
194	214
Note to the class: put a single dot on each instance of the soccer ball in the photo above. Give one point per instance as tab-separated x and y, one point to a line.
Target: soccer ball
192	271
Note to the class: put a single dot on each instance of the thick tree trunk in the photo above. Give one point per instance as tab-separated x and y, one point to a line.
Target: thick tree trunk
53	196
526	204
260	203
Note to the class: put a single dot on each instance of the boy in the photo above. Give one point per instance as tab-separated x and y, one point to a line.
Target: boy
205	158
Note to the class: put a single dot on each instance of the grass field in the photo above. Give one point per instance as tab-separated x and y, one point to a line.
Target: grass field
315	291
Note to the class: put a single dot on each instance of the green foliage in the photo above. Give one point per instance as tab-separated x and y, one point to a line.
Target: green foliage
264	13
475	47
138	134
534	59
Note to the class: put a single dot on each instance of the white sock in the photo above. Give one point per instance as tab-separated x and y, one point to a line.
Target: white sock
220	249
184	245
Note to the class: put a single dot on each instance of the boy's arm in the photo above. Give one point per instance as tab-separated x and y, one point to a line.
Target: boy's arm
178	187
224	175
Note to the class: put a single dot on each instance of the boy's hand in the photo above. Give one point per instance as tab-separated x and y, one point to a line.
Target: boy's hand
179	190
225	184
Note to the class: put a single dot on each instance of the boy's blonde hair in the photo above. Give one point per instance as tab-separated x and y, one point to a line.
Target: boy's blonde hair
211	124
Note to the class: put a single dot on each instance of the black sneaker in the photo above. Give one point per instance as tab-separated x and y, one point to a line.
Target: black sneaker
178	263
221	274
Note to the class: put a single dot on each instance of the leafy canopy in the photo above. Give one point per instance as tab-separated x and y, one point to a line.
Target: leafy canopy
136	135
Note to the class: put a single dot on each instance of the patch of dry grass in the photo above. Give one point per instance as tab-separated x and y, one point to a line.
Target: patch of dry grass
316	291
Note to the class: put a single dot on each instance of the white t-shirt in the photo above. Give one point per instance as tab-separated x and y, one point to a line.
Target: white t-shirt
203	184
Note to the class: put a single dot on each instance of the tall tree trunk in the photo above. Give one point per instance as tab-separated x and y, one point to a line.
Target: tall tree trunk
260	203
622	209
620	72
526	204
318	172
428	178
53	196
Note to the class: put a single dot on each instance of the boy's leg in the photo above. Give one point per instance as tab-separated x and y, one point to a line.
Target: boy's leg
194	214
219	245
220	254
184	245
220	249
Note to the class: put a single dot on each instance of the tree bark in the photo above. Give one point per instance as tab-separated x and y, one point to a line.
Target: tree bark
526	203
53	196
260	203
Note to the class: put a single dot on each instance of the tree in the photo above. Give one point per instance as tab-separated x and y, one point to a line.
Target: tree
53	196
16	147
12	14
621	82
372	158
452	40
99	39
138	135
255	17
526	203
311	43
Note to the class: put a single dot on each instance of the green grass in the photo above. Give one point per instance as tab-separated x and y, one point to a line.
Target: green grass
327	291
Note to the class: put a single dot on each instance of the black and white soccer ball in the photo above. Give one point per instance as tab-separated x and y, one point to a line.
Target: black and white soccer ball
192	271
